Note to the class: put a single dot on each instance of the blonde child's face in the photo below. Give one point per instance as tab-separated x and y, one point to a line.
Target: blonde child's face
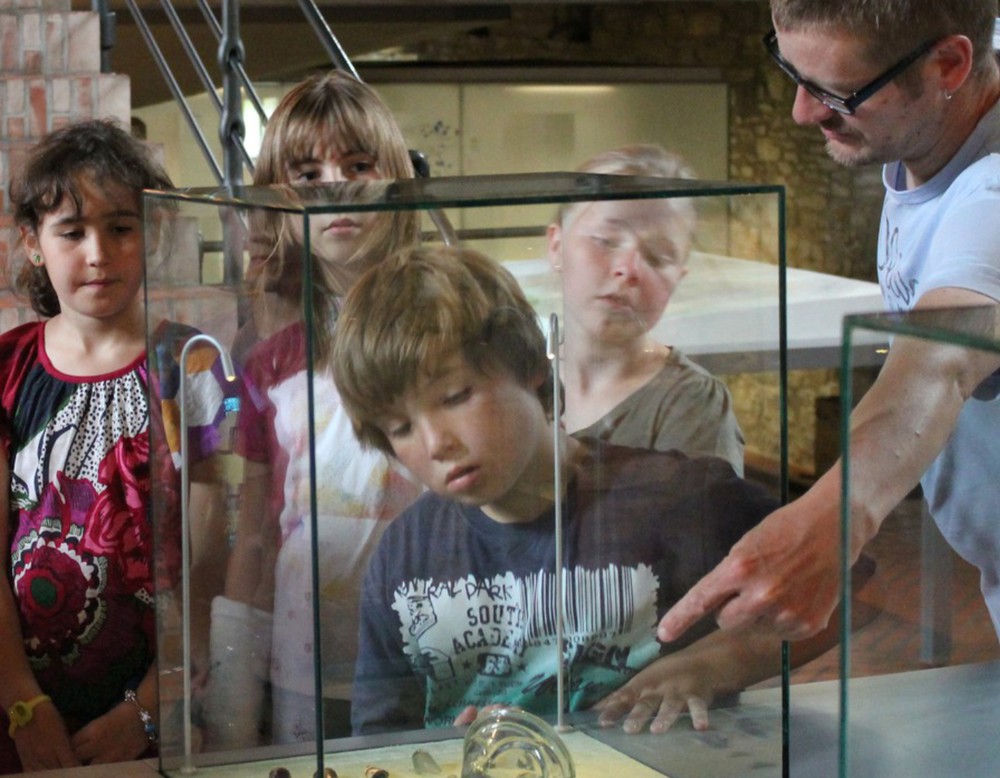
94	257
621	262
335	238
475	438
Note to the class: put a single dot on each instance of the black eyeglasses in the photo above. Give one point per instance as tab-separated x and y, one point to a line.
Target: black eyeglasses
845	105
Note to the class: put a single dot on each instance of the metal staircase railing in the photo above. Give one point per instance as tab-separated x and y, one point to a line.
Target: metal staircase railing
236	84
235	81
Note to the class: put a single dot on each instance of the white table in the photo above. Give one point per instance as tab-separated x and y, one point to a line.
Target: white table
725	313
927	723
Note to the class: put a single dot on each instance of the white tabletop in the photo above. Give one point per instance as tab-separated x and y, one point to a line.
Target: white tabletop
725	313
928	723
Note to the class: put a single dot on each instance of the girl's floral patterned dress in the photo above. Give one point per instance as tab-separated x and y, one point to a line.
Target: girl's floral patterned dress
81	538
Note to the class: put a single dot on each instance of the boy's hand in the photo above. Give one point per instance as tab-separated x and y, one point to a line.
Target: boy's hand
43	744
471	712
466	717
117	736
659	694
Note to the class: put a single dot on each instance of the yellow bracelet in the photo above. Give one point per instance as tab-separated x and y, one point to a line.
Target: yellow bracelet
21	713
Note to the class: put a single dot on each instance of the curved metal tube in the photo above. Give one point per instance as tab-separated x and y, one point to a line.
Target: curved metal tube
552	347
227	364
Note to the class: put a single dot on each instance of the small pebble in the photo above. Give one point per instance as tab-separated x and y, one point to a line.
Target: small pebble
424	763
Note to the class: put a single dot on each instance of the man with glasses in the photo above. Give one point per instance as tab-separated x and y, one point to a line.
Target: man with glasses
913	85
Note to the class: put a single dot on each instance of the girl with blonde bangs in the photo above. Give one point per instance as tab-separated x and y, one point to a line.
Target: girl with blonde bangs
333	140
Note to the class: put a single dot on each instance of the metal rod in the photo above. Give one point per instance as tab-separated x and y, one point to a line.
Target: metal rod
557	483
109	31
326	37
231	128
193	56
422	169
248	87
227	365
174	87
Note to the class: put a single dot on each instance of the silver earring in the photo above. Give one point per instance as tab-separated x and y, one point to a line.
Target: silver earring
948	95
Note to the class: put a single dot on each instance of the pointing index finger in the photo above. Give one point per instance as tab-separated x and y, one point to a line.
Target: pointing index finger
700	600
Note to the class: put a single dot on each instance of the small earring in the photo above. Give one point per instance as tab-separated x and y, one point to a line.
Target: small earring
36	259
948	95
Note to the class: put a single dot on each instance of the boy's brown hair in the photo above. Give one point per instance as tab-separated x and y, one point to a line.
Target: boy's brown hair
407	316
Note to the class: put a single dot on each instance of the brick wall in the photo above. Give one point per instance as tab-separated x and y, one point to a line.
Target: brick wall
49	76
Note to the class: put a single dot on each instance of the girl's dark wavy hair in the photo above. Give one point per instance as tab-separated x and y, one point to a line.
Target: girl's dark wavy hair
100	149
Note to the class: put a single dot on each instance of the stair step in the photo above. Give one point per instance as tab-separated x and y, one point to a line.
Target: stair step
38	5
35	42
32	106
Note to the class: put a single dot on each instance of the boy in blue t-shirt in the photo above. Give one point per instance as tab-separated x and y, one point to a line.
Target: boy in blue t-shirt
440	363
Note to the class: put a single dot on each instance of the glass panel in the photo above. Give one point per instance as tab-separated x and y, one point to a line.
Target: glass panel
212	269
671	365
920	677
284	503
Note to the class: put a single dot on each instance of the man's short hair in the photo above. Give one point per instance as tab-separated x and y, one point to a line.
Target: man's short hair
408	315
892	28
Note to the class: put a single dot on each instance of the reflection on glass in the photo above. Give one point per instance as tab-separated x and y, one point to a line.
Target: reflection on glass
620	262
508	741
939	547
281	489
440	362
291	407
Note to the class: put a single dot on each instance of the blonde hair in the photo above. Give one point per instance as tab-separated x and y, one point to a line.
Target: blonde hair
647	160
407	316
333	113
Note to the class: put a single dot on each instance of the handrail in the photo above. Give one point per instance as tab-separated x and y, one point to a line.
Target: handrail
175	90
326	37
231	127
248	87
189	49
232	131
235	83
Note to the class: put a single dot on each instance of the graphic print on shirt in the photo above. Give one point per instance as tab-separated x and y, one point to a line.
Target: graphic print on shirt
479	641
78	546
898	291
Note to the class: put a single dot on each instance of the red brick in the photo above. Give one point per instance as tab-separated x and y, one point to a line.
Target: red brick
39	113
59	95
33	63
55	46
16	128
10	44
83	97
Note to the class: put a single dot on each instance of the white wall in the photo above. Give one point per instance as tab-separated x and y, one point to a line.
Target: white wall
470	129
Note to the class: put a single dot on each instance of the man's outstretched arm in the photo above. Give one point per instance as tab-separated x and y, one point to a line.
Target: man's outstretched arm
786	571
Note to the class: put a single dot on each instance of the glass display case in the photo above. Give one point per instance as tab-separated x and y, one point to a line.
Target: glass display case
268	512
920	670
